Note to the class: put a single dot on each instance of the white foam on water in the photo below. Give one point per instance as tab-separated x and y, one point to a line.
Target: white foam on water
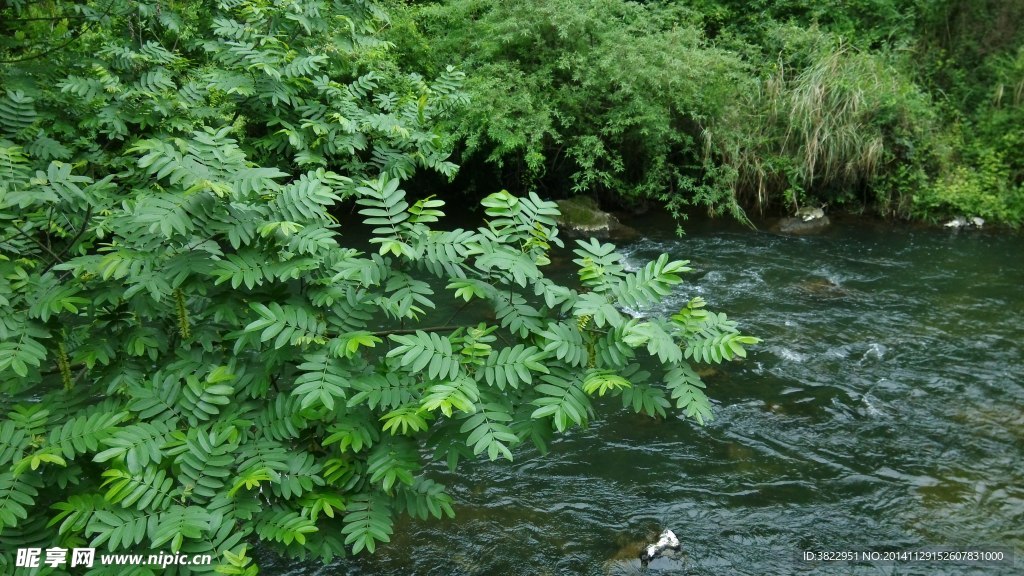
875	351
791	355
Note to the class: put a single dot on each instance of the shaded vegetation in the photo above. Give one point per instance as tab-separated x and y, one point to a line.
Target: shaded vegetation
909	109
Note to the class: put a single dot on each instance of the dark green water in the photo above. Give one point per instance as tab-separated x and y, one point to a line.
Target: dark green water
884	411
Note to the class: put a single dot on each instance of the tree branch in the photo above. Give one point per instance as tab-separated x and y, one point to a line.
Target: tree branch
457	312
448	328
69	245
37	243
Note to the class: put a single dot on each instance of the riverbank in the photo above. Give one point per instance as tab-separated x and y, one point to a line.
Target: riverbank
901	109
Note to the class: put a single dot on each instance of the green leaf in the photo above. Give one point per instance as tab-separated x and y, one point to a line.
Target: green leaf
251	478
391	462
13	441
289	324
354	435
647	399
602	381
686	389
150	490
406	419
659	342
488	431
178	523
367	521
422	350
565	342
426	498
35	460
246	268
561	397
460	394
650	284
284	526
391	390
75	513
85	433
206	460
599	309
17	112
17	497
119	528
600	265
204	400
137	445
323	379
514	366
352	341
469	289
18	356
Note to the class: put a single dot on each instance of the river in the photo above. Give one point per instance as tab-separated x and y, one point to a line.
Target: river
883	412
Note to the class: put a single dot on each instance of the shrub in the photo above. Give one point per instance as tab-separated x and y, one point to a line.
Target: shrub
192	360
610	98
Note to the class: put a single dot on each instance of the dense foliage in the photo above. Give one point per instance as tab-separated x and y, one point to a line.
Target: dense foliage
191	360
606	97
909	108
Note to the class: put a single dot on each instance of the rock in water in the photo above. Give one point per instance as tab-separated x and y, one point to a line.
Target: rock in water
797	225
961	222
809	213
581	217
667	544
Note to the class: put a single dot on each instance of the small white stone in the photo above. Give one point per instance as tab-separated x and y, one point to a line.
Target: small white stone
666	542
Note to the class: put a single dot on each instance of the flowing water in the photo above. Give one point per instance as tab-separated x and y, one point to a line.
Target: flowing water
883	411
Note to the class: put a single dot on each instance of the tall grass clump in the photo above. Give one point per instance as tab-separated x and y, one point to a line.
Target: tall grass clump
825	123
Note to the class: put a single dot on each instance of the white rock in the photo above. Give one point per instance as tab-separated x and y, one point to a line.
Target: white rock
667	543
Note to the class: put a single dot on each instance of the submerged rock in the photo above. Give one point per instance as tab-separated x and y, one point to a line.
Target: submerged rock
822	288
581	217
961	222
798	225
664	556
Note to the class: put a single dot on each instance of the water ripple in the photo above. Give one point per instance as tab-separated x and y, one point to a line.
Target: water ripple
882	410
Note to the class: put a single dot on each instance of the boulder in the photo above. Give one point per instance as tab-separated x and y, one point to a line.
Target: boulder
961	222
581	217
797	225
809	213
